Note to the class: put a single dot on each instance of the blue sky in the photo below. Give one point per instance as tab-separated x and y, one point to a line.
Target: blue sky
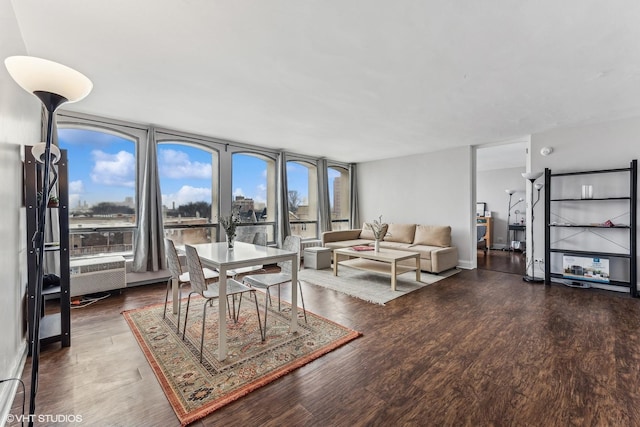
102	169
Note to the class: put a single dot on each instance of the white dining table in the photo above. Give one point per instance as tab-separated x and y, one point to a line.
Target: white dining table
218	256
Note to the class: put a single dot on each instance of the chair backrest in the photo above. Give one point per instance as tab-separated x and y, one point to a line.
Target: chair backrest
260	238
482	231
172	259
196	275
291	243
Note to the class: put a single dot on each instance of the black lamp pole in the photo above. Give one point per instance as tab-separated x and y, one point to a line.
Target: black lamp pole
51	102
531	177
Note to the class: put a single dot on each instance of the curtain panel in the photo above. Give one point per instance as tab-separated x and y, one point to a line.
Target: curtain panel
324	204
149	250
282	199
354	212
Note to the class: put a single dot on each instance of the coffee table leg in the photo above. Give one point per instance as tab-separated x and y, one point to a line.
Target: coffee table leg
418	269
335	263
393	276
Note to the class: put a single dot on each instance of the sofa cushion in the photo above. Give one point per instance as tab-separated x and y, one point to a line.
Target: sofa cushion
367	232
401	233
433	235
395	245
347	243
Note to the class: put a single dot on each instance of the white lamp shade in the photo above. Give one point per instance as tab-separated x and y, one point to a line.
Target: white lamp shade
538	186
531	176
509	192
37	74
38	151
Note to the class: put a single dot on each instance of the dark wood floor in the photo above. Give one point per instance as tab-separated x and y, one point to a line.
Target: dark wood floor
504	261
479	348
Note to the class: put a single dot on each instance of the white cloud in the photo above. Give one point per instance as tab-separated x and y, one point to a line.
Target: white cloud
187	194
74	200
177	165
76	186
114	169
261	194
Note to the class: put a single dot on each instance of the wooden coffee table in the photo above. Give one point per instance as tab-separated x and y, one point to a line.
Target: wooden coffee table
385	261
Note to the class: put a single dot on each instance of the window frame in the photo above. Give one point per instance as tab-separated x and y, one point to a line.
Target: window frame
163	138
132	132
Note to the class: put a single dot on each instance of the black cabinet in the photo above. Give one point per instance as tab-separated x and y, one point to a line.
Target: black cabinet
602	223
54	327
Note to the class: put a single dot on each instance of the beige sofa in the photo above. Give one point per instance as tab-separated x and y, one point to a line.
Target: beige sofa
433	242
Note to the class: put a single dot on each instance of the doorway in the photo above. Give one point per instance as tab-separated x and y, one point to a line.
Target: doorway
501	190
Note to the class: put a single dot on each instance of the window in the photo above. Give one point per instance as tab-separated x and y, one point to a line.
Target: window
302	184
253	184
339	197
188	175
102	190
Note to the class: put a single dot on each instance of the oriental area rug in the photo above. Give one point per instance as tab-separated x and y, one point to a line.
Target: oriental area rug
196	389
371	286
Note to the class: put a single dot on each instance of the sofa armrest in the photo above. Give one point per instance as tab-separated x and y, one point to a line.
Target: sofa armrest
443	259
337	236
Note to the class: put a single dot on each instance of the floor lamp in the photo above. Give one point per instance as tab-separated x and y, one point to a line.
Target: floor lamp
531	177
54	84
510	193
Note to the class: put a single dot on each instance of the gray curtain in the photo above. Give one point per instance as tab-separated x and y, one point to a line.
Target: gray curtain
354	213
324	204
284	229
149	251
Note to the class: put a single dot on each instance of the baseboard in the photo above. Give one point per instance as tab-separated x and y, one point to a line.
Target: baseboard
8	389
466	265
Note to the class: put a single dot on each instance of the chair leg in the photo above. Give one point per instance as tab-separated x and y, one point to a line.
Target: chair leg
186	315
304	310
179	306
204	319
263	333
264	327
166	299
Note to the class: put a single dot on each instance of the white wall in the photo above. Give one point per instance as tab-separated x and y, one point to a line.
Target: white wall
490	186
431	189
19	125
603	146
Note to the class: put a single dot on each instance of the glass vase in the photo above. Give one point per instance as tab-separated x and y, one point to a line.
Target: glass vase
376	246
230	241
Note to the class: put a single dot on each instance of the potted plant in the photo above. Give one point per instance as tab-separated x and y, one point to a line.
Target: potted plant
53	202
229	224
379	231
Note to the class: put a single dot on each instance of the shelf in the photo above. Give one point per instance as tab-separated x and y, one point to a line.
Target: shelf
591	172
54	327
626	284
624	227
50	328
601	209
591	253
590	200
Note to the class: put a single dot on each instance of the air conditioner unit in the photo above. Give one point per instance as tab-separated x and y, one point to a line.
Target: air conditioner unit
91	275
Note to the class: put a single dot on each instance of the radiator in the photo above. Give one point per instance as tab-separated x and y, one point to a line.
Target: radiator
91	275
308	244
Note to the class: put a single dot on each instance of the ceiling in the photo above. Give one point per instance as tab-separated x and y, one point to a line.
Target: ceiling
349	80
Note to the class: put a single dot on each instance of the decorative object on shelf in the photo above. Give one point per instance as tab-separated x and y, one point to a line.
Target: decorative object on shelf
379	231
53	202
54	84
531	177
587	191
229	224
